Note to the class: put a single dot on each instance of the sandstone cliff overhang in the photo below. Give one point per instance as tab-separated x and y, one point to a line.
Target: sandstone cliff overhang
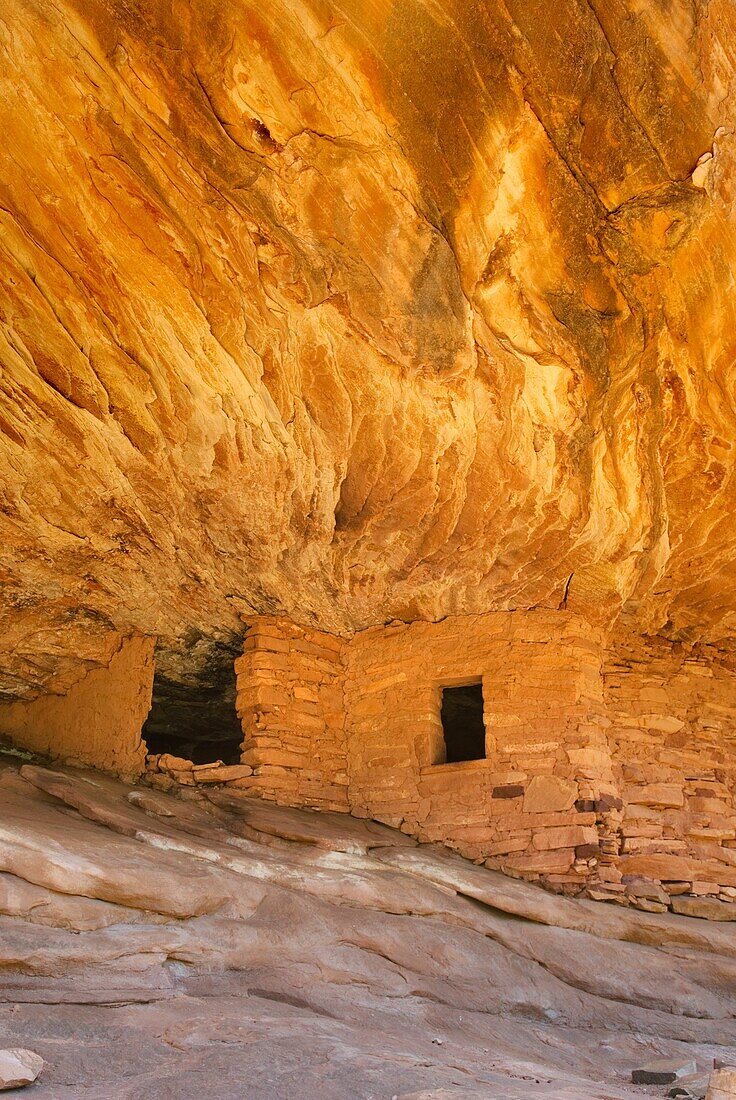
350	312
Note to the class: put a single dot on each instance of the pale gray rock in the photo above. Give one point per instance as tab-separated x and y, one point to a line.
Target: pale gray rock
331	968
18	1068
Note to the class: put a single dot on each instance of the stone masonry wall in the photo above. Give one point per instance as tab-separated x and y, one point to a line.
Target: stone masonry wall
290	702
355	725
609	766
534	806
672	714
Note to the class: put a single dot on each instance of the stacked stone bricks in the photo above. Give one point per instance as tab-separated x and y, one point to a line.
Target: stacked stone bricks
609	765
672	711
519	808
290	701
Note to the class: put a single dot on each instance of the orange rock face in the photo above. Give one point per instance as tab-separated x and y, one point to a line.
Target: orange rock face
349	312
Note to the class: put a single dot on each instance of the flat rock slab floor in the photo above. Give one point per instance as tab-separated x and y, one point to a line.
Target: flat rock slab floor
157	947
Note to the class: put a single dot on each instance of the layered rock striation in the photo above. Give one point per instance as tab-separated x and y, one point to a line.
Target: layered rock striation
350	312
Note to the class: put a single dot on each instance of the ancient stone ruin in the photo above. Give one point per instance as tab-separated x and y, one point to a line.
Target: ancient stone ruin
367	547
605	766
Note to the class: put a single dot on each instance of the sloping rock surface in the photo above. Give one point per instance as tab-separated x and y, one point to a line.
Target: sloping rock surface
352	311
321	958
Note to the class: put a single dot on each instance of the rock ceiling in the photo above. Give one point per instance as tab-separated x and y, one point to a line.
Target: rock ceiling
358	311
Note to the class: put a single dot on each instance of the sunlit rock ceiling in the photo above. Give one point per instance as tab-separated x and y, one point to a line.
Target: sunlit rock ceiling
357	311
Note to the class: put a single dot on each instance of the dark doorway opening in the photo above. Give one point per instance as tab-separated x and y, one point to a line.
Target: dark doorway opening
462	723
193	707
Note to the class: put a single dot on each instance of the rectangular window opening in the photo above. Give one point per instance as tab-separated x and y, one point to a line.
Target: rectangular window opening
462	723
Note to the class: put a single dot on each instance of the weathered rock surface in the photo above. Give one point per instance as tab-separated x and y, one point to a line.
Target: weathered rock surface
343	960
708	908
691	1088
357	311
722	1084
40	846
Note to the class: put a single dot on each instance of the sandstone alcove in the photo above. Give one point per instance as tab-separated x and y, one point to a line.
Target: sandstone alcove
367	425
463	728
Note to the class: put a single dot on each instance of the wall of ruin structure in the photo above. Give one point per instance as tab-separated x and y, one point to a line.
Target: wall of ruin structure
355	725
290	702
609	765
519	808
672	714
98	722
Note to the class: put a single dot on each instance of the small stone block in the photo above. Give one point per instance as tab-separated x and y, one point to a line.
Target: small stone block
585	805
19	1068
607	802
690	1088
705	908
586	851
663	1071
508	790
